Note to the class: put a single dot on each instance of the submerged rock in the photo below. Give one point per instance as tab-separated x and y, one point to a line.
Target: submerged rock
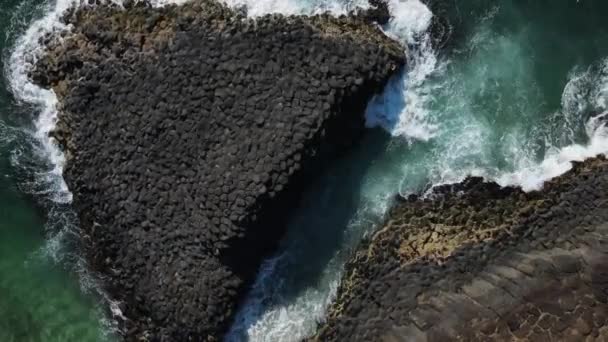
189	132
477	262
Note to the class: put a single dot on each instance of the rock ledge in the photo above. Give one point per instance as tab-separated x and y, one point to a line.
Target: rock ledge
477	262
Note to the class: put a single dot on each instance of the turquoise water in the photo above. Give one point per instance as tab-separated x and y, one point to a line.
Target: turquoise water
41	298
511	98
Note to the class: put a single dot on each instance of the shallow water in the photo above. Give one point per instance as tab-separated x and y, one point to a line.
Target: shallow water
511	97
41	298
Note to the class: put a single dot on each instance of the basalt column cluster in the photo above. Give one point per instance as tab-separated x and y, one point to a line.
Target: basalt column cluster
477	262
189	132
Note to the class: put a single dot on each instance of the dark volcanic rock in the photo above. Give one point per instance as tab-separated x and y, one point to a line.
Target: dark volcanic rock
378	12
476	262
189	132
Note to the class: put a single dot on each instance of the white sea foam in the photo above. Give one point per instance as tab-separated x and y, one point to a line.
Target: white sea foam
287	321
24	55
411	19
584	91
257	8
555	164
558	161
401	108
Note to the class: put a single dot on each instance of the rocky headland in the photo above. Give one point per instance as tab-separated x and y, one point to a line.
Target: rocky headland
189	132
477	262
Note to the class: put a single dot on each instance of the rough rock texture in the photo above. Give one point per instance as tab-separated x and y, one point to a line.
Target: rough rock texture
189	132
477	262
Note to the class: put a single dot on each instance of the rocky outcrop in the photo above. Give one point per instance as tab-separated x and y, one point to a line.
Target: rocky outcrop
476	262
189	132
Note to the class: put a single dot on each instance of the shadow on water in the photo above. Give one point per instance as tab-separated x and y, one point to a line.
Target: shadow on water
317	230
324	226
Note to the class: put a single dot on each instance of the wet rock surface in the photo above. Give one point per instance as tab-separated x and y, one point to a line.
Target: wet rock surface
189	132
476	262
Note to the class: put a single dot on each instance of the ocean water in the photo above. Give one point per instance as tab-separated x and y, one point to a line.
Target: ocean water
43	291
518	93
